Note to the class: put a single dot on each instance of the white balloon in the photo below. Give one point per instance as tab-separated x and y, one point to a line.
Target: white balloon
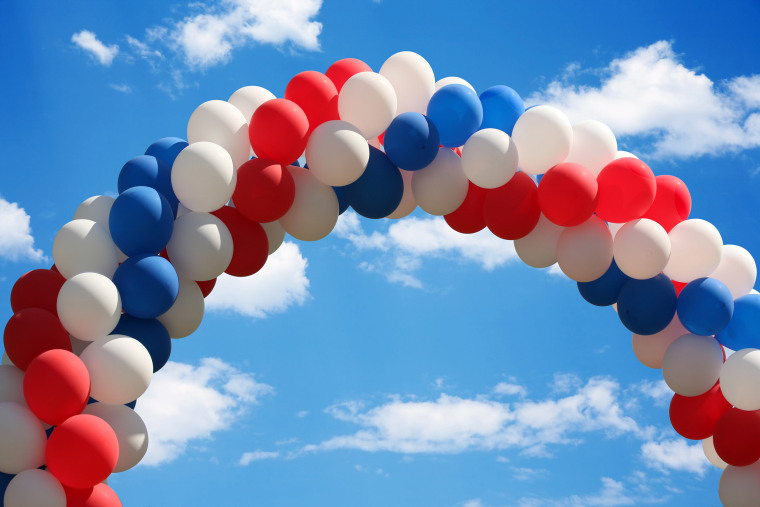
200	247
740	378
692	364
98	208
641	248
407	204
624	154
614	228
737	269
275	235
222	123
120	368
89	306
186	314
739	486
489	158
696	250
203	176
11	384
539	248
368	101
35	488
84	245
22	439
77	345
6	360
594	146
650	349
543	136
412	79
130	432
314	212
584	252
249	98
452	80
708	447
441	187
337	153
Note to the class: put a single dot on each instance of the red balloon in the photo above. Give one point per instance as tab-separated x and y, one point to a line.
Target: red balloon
567	194
511	211
672	202
32	331
249	241
100	495
206	286
737	437
626	190
82	451
265	190
56	386
469	218
679	286
37	289
340	71
279	130
316	95
695	417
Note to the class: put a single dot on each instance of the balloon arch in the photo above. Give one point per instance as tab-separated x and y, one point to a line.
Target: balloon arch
131	273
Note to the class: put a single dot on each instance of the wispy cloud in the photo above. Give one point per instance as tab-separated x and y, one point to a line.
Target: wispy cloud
249	457
675	454
122	88
16	240
90	43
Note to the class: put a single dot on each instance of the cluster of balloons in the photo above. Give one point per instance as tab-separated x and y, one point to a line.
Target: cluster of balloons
131	272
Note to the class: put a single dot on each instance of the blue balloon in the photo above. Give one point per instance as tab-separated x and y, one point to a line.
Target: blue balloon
166	149
647	306
5	479
411	141
342	200
148	285
378	191
151	333
604	290
705	306
133	404
148	171
456	112
502	106
742	331
141	221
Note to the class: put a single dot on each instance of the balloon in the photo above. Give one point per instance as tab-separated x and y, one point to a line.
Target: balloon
203	176
712	456
691	365
604	290
220	122
647	306
408	203
340	71
249	98
185	316
149	171
314	212
739	486
469	217
83	245
457	113
584	252
740	377
33	488
141	221
265	190
412	79
641	248
30	332
567	194
37	289
489	158
151	333
342	200
22	439
120	368
56	386
627	189
201	246
511	211
166	149
379	190
705	306
11	385
737	269
594	146
650	349
278	131
130	431
249	241
502	106
206	286
445	81
672	202
82	451
337	153
695	417
696	250
411	141
100	495
316	94
737	437
368	101
741	331
275	235
441	187
148	285
89	306
543	136
539	248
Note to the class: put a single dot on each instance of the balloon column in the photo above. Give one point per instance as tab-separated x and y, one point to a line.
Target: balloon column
131	272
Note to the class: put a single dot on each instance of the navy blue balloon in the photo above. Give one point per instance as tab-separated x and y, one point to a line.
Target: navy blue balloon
148	171
151	333
342	200
411	141
502	106
743	330
604	290
705	306
378	191
148	285
141	221
5	479
456	112
647	306
133	404
166	149
296	163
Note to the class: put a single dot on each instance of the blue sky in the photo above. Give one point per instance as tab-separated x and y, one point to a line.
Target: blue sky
373	367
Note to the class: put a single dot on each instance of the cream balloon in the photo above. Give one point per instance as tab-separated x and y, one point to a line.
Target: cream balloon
186	314
624	154
203	176
34	488
412	79
314	212
594	146
275	235
441	187
740	378
249	98
98	208
641	248
650	349
452	80
22	439
691	364
89	306
739	486
222	123
696	250
11	384
539	248
120	368
77	345
84	245
584	252
737	269
489	158
200	247
130	432
543	136
368	101
708	447
337	153
407	204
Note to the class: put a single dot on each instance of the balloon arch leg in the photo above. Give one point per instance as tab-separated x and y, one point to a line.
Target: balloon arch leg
131	273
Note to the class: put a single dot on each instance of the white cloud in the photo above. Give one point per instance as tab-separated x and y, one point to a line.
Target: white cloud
123	88
475	502
649	95
249	457
186	403
99	51
509	389
656	390
675	454
612	493
16	240
280	284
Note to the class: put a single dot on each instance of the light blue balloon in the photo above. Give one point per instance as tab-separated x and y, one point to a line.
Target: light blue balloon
502	106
